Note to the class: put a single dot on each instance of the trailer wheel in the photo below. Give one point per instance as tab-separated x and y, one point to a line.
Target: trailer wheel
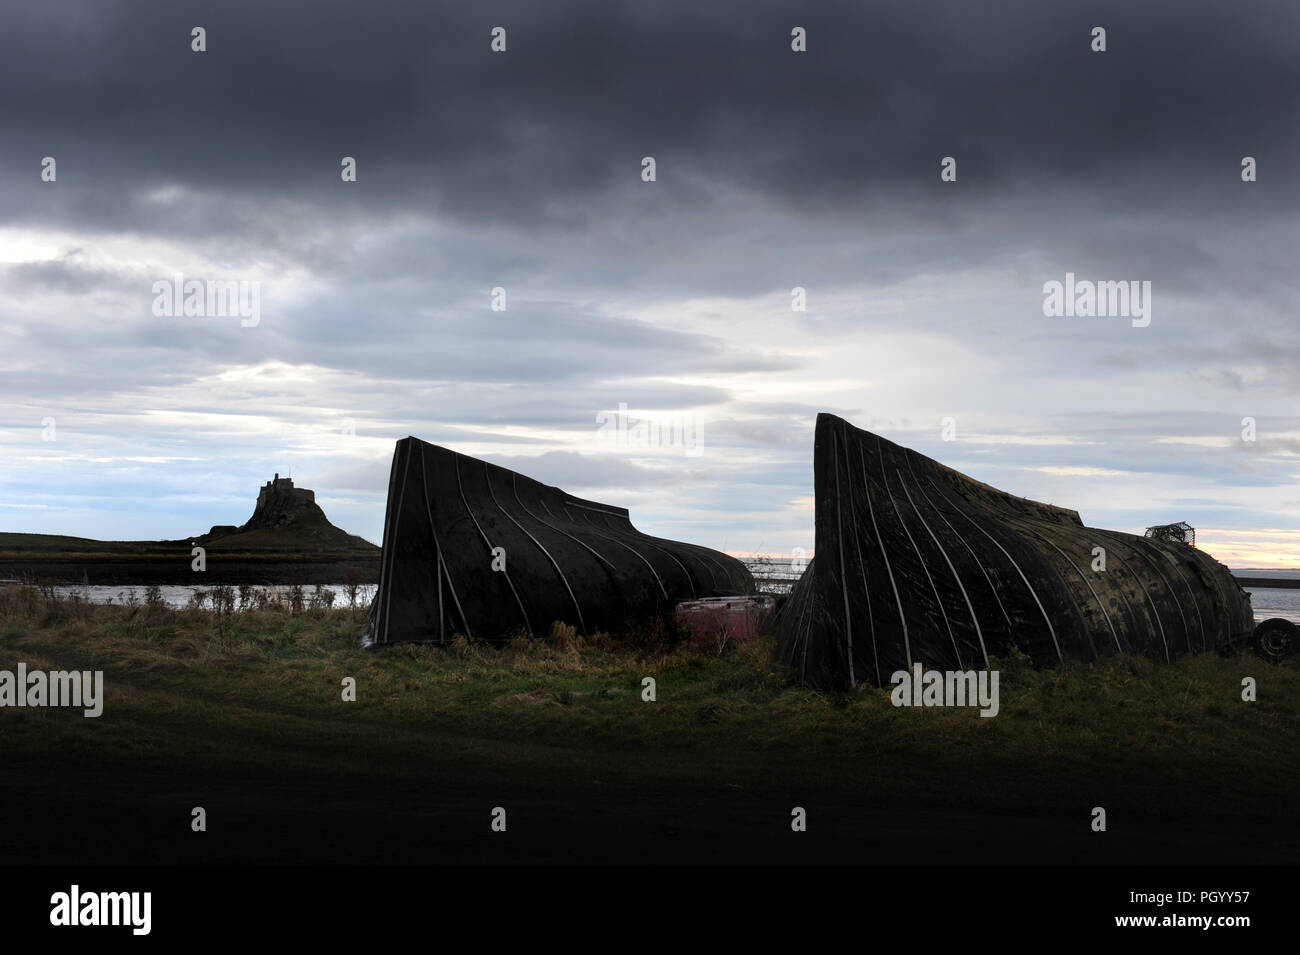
1276	639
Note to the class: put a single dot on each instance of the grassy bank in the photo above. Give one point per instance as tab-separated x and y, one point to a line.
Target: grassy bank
286	556
258	694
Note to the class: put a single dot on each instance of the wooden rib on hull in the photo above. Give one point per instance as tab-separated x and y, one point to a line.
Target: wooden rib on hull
565	559
918	563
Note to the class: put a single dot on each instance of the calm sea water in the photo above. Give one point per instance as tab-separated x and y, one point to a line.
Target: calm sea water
1267	601
1274	601
179	596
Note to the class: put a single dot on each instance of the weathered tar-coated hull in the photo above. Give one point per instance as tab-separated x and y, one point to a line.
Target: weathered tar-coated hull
917	563
561	558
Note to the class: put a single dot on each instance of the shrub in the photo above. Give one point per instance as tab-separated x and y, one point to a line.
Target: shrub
351	585
21	601
153	598
564	636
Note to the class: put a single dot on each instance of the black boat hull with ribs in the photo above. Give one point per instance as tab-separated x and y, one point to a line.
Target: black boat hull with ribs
918	563
452	518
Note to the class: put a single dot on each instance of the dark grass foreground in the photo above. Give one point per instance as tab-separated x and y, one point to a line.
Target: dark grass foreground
241	713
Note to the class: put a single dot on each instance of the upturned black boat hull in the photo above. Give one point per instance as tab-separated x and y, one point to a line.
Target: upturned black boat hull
474	549
918	563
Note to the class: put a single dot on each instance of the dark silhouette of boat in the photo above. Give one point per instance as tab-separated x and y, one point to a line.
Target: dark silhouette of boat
918	563
475	549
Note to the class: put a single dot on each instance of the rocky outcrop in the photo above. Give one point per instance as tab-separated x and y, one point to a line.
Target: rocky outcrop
287	519
280	504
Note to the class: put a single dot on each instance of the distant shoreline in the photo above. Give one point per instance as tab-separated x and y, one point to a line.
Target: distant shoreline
306	551
271	569
1263	583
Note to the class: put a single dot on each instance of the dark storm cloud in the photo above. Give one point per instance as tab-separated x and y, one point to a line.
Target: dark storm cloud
440	123
521	170
821	166
68	275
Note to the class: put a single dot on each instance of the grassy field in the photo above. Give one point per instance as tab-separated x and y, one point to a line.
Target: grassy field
256	697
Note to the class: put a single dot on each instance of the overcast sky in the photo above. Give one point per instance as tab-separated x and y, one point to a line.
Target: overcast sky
774	169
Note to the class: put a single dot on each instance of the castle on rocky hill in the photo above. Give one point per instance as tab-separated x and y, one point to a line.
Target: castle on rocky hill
283	487
280	503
